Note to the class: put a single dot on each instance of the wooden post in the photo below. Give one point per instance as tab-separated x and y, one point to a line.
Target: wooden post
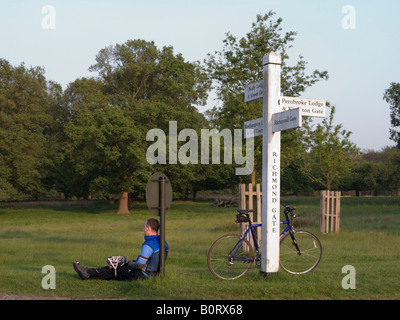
338	211
330	211
247	202
242	204
321	212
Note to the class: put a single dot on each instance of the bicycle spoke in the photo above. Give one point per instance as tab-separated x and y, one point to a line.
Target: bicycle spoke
310	253
228	261
231	256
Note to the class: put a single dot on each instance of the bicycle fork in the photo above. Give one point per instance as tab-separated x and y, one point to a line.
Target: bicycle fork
294	242
291	232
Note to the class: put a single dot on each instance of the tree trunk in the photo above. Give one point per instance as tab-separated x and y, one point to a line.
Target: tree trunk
123	203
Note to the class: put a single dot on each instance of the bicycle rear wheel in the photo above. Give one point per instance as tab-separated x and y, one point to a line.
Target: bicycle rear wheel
230	257
310	252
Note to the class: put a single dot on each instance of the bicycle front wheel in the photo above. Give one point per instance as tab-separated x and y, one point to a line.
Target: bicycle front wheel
230	257
300	254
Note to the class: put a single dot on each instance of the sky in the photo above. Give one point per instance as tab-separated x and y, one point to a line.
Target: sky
356	41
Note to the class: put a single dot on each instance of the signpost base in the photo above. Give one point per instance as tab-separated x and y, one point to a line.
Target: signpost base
263	274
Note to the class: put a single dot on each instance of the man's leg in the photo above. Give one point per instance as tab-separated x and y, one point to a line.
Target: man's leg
103	273
107	273
127	273
123	273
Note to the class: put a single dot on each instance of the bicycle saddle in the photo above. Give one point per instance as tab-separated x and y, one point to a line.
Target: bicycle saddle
245	211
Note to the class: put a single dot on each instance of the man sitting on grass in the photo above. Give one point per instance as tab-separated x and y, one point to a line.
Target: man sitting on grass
145	266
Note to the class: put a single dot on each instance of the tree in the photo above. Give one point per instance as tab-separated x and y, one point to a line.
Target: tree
240	63
28	125
331	155
390	170
138	70
378	171
105	144
366	177
392	96
139	87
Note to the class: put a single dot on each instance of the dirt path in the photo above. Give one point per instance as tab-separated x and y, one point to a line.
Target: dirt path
4	296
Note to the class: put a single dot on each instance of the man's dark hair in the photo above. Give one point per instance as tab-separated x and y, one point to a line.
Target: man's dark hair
153	224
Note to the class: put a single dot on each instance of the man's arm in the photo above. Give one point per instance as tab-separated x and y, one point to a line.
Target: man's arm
142	259
136	265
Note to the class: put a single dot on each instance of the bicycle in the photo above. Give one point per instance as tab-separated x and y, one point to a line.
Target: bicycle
231	256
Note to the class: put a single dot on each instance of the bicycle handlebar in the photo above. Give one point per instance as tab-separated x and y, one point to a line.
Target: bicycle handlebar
245	213
290	210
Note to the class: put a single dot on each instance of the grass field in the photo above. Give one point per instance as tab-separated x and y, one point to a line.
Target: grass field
31	238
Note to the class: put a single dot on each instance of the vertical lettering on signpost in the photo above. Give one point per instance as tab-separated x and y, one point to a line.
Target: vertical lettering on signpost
275	193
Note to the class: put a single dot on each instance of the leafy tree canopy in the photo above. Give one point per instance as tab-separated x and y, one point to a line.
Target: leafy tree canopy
139	87
392	96
28	114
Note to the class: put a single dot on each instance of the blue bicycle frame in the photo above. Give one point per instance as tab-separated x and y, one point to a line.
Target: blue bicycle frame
250	230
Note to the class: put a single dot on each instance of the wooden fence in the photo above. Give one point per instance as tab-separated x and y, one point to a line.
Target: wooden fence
250	199
330	211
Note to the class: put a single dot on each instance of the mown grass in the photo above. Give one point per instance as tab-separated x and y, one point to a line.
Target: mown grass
31	238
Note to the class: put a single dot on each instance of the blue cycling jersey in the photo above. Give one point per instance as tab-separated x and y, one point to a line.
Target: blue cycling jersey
150	254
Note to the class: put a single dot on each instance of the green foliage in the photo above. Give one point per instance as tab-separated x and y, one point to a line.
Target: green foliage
392	97
239	64
103	141
391	170
91	138
138	88
331	156
378	172
28	109
138	70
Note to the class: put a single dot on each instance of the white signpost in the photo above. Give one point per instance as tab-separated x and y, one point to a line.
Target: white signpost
279	113
271	166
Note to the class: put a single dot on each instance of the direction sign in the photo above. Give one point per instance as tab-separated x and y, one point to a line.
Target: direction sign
256	125
286	120
310	107
281	121
254	91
